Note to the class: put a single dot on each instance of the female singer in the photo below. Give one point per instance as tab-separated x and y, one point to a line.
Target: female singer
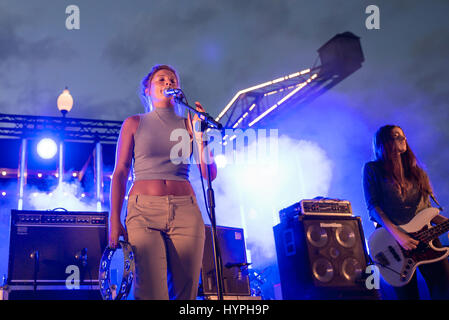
164	224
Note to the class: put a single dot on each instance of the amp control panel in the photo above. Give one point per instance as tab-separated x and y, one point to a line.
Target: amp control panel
22	218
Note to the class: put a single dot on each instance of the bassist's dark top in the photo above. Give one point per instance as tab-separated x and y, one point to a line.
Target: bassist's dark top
380	191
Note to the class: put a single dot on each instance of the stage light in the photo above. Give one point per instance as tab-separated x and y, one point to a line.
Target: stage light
46	148
220	161
265	84
300	86
3	173
39	175
74	174
3	193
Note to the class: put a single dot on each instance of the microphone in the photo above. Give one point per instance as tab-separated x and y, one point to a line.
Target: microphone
177	93
240	266
172	92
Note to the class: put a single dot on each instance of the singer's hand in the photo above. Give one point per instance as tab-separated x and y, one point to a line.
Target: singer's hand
207	163
116	230
197	122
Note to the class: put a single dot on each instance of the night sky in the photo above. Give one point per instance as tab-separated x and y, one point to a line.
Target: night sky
221	47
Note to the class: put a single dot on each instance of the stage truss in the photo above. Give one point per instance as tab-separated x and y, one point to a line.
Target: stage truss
339	57
69	129
27	127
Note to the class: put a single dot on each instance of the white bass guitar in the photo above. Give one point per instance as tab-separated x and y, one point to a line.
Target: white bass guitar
398	265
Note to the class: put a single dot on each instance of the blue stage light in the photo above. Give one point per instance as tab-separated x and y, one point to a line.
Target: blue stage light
47	148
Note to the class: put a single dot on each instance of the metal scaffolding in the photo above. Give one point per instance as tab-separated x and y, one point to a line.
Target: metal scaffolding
69	129
339	57
27	127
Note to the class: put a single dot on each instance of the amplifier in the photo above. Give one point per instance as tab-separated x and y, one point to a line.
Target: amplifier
322	257
322	207
233	255
55	248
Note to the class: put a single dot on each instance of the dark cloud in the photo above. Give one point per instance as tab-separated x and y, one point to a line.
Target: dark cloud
35	48
155	32
9	43
430	52
108	108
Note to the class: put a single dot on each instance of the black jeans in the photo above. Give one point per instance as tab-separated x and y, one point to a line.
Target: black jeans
436	276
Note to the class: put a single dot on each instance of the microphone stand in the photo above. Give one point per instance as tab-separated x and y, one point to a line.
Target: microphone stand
211	123
35	256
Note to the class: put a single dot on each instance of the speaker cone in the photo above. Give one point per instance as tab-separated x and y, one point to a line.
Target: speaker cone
317	236
323	270
351	269
345	236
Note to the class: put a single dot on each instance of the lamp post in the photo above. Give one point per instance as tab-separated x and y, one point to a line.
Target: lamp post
22	172
65	104
98	175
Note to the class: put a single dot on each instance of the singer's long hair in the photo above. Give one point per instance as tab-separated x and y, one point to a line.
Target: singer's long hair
146	82
383	147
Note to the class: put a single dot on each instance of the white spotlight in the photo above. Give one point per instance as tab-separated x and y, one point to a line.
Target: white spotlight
220	161
47	148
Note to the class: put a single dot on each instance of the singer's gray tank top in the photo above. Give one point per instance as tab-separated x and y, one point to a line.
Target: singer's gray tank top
155	156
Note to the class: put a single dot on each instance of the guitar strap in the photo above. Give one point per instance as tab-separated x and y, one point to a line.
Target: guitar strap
436	202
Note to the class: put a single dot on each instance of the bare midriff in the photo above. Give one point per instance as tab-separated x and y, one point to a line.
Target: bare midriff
161	188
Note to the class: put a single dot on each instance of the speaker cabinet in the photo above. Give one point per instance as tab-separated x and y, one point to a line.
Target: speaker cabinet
321	257
47	248
233	252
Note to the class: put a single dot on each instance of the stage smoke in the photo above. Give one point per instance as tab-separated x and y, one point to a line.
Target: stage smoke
250	195
66	195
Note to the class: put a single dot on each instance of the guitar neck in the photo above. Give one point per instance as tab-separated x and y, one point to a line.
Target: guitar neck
435	231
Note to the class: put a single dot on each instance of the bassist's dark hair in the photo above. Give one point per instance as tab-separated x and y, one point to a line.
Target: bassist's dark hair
383	146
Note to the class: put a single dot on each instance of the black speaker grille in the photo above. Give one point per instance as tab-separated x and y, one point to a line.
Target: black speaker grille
320	256
338	253
44	246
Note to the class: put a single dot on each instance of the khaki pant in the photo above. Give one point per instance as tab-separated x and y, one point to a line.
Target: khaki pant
167	236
